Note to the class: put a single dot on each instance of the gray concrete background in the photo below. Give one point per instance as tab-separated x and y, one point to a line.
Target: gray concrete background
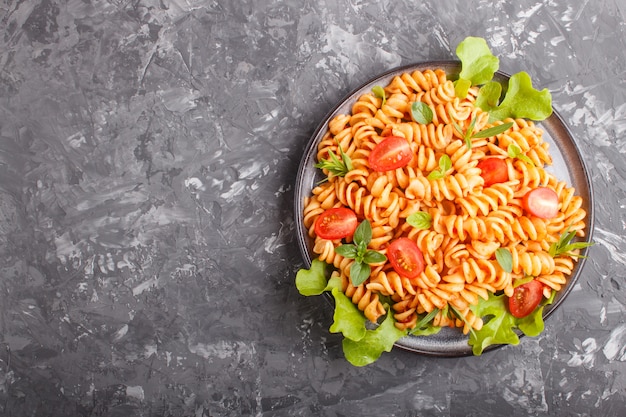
148	152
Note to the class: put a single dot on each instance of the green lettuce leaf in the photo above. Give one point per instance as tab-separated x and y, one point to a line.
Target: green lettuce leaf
523	101
348	319
478	64
461	87
312	281
373	344
501	324
499	329
489	96
532	325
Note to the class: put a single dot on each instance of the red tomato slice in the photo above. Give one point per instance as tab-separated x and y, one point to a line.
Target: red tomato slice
405	257
493	171
336	223
525	298
392	153
542	202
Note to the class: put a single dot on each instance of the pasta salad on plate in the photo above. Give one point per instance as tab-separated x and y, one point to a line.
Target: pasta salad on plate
444	208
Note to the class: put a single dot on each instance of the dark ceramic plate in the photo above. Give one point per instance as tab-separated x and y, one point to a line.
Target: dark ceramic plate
567	165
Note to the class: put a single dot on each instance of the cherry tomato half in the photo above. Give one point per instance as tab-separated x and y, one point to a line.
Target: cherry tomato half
525	298
336	223
542	202
392	153
405	257
493	171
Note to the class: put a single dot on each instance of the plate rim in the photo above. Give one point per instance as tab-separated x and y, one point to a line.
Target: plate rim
452	67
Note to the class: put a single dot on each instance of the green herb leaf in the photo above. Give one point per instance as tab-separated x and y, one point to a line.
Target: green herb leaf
368	349
380	93
522	281
347	251
523	101
505	259
492	131
467	135
458	128
514	151
470	128
458	314
424	327
338	167
445	164
478	64
486	133
374	257
359	272
489	96
360	269
420	220
363	233
421	112
435	175
564	247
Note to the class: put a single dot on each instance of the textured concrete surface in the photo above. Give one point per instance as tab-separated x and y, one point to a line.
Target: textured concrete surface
148	151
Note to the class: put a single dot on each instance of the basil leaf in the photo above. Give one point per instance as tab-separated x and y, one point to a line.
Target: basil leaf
374	257
522	281
420	220
359	272
380	93
436	175
445	163
347	251
514	151
493	131
505	259
421	112
363	233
